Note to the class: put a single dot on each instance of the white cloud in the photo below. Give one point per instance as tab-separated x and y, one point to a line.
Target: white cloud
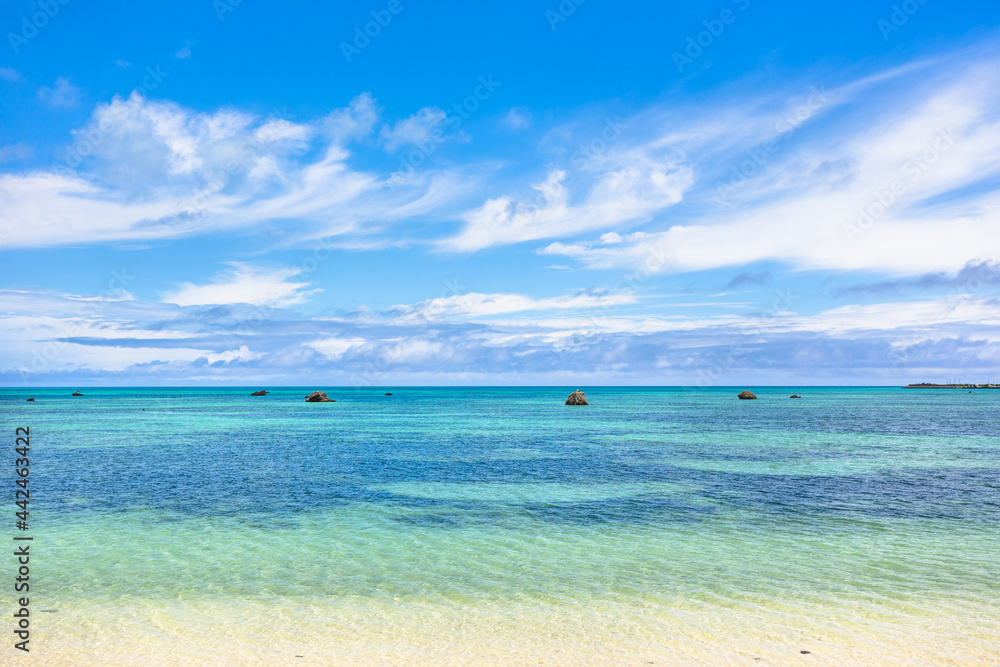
920	320
48	209
143	169
9	74
59	336
474	304
413	350
895	187
630	186
242	354
518	118
335	346
184	52
354	121
421	129
62	94
282	130
244	284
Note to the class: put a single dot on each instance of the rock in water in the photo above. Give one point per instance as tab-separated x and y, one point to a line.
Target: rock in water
319	397
388	393
794	396
577	398
259	393
76	393
746	394
31	400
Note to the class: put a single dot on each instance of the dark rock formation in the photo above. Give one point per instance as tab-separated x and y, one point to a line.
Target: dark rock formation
76	393
746	394
577	398
31	400
319	397
388	393
794	396
259	393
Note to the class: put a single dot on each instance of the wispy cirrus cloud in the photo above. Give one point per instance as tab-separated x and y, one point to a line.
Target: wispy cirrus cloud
143	169
630	190
897	179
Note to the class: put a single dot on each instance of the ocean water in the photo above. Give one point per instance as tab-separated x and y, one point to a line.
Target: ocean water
498	526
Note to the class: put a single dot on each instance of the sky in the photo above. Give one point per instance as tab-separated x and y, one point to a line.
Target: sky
409	192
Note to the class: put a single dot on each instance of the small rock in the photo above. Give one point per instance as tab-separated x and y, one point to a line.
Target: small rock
746	394
319	397
794	396
388	393
577	398
76	393
803	652
259	393
31	400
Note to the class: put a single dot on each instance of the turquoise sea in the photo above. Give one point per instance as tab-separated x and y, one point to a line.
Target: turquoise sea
499	526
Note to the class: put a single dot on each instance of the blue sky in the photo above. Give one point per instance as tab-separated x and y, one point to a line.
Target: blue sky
382	193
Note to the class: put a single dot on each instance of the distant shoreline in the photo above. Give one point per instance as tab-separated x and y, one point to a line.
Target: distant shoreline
925	385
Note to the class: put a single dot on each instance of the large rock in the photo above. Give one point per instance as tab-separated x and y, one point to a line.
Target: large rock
31	400
259	393
76	393
746	394
319	397
577	398
794	396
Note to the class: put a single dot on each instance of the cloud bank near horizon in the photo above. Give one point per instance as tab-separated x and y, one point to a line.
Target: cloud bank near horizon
888	178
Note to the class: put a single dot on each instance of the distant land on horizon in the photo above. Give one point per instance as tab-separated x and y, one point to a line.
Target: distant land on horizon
929	385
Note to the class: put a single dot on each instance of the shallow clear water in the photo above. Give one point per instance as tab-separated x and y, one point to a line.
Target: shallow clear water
499	526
